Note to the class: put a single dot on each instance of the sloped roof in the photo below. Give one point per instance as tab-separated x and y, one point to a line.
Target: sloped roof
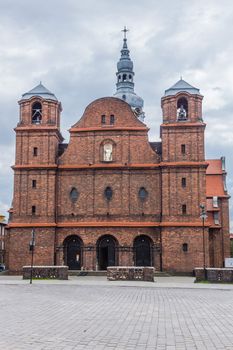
181	85
41	91
214	167
214	178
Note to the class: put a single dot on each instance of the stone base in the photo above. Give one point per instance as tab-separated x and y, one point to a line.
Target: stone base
214	275
50	272
130	273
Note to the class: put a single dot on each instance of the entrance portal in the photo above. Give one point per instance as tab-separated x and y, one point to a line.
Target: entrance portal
142	251
73	252
106	252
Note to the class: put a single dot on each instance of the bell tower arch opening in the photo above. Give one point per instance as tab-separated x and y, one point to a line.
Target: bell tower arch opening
182	109
36	113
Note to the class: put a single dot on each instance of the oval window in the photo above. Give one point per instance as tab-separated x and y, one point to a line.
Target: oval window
108	193
74	194
143	194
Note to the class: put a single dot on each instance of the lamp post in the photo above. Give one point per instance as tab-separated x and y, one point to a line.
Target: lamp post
203	216
31	249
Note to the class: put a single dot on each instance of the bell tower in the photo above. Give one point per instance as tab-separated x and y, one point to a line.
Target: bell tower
183	177
183	156
182	130
37	140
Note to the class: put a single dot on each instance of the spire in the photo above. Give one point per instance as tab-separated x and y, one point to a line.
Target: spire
125	84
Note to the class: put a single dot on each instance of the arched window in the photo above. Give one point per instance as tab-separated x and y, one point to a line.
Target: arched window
182	109
143	194
108	193
119	77
74	194
124	77
107	149
36	113
124	97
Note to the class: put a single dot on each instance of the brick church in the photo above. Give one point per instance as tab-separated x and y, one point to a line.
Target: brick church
111	197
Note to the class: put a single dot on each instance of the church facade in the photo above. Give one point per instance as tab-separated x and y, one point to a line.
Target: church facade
111	197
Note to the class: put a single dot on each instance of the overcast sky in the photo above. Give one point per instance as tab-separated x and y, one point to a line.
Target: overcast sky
73	46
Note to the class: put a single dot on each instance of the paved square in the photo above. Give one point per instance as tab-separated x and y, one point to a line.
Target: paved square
105	315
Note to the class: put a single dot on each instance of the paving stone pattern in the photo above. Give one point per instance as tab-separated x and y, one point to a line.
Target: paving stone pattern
114	317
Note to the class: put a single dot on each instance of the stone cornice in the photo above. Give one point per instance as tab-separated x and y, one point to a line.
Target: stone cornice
106	165
109	128
108	224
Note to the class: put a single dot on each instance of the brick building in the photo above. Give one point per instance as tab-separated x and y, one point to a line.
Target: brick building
111	197
2	239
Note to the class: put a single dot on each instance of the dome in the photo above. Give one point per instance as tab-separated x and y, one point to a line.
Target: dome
125	64
131	98
41	91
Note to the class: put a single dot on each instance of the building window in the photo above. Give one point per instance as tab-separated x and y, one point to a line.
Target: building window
107	156
103	119
143	194
216	218
33	210
74	194
215	201
34	183
182	109
112	119
35	151
124	77
36	113
184	209
183	150
185	247
183	182
124	97
108	193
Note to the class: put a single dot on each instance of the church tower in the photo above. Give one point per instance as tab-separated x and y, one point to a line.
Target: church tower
183	169
34	200
125	81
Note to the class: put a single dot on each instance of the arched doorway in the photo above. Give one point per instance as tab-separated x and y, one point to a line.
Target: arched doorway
106	252
142	251
73	252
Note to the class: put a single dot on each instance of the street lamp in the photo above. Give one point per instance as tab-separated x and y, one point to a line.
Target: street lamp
203	216
31	249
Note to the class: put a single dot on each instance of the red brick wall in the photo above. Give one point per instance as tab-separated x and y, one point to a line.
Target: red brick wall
19	254
174	258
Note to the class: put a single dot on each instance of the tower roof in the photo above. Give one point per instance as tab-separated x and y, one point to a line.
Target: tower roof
125	84
41	91
181	86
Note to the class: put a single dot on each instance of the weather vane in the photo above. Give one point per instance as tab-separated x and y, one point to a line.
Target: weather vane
125	31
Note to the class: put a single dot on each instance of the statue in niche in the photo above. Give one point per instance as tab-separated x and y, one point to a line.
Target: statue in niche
181	113
108	152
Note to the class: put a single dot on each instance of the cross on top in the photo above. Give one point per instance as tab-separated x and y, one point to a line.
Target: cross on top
125	31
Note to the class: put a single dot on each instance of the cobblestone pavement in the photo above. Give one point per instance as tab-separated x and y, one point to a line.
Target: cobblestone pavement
86	315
